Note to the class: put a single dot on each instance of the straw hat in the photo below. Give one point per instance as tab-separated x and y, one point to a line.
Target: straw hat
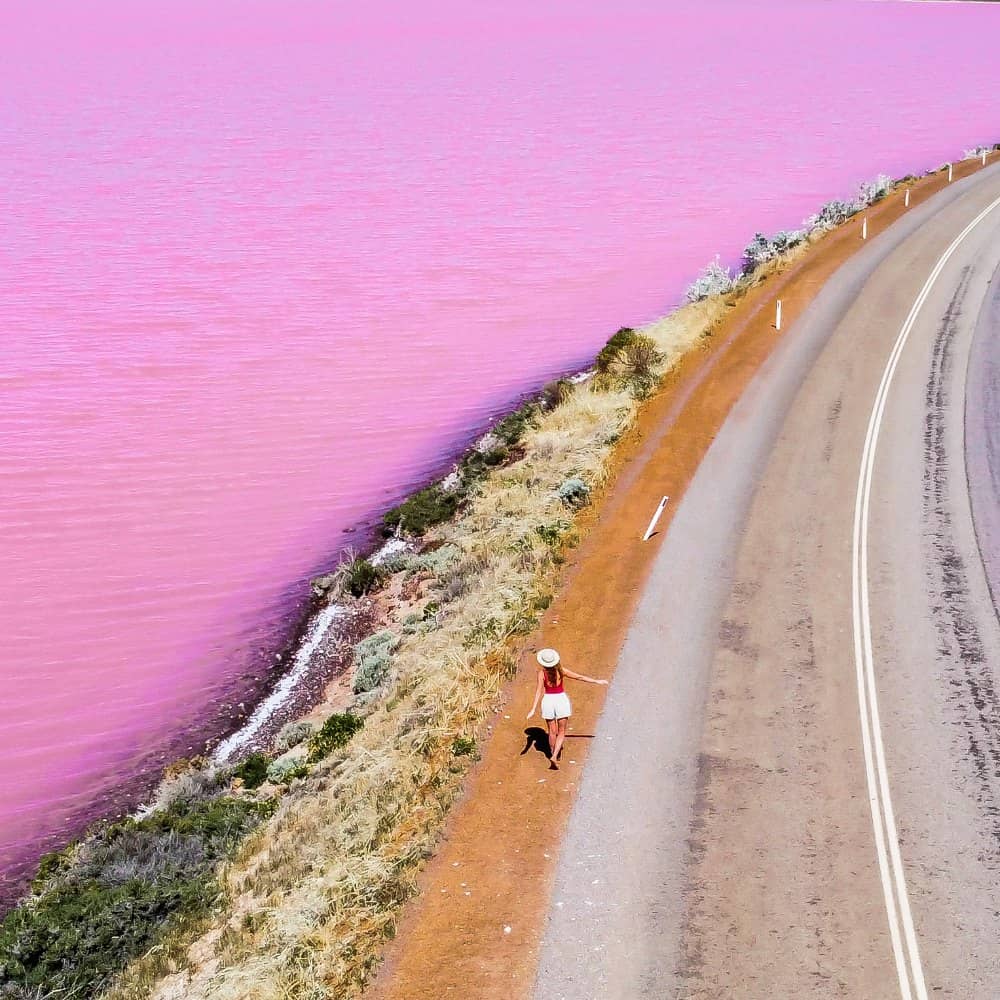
548	658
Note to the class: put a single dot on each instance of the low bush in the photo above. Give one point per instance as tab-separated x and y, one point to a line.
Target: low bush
635	366
423	510
573	492
831	215
333	734
511	428
111	901
253	771
628	361
762	249
371	660
871	192
714	280
555	393
360	577
462	746
281	772
476	464
552	534
434	561
293	733
610	351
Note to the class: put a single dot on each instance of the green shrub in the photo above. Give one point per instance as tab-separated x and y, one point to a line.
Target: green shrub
637	361
435	561
333	734
361	577
611	349
475	465
552	534
112	901
372	657
462	746
281	772
253	771
53	864
556	393
628	360
293	733
421	511
511	428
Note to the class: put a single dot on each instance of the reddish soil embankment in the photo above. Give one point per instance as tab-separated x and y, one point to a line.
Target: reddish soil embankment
475	929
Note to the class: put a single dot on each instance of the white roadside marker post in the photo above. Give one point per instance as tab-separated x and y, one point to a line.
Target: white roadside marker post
906	199
777	315
864	228
949	173
656	517
984	157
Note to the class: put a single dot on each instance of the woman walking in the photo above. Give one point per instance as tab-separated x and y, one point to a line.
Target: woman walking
556	708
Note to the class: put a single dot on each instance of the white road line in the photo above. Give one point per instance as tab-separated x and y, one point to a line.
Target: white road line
890	863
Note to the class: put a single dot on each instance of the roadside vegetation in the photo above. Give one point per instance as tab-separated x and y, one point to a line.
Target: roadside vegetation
282	876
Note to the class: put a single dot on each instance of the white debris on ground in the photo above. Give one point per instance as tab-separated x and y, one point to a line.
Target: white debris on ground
283	689
393	547
488	443
451	482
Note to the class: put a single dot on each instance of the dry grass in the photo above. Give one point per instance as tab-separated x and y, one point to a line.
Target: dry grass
315	892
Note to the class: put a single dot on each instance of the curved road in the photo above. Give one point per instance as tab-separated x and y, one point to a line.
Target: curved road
795	787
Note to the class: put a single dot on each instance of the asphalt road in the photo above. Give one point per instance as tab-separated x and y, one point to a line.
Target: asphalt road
795	787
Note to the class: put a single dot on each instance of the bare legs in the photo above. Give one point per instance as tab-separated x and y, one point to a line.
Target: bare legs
560	738
553	726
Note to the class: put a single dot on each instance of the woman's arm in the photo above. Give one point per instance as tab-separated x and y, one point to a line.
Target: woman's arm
538	695
582	677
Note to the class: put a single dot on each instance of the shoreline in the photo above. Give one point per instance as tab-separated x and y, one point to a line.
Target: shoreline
330	659
316	625
623	474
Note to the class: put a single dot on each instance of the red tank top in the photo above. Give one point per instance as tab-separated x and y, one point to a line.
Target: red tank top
556	688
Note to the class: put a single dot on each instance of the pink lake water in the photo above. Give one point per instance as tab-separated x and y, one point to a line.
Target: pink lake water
262	270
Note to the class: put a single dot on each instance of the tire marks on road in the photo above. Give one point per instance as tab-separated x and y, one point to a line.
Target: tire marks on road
974	698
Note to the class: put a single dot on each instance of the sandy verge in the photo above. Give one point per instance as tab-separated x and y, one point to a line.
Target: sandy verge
475	928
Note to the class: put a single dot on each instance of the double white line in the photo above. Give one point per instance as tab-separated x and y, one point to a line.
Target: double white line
897	904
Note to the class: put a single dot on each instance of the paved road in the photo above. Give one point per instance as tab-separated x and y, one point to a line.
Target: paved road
795	790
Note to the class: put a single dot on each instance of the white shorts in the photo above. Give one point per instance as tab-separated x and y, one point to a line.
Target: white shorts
555	706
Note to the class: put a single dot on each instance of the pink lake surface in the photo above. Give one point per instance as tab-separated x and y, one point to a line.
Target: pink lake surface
262	270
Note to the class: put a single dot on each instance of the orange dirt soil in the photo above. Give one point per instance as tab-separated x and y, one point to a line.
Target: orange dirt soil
475	928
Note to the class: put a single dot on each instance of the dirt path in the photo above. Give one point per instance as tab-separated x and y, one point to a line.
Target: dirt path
475	929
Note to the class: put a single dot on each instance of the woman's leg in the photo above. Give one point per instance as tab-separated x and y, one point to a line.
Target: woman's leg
560	737
553	727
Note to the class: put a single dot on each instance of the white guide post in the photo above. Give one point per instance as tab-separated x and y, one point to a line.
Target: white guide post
984	157
656	517
777	316
949	173
906	199
864	228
